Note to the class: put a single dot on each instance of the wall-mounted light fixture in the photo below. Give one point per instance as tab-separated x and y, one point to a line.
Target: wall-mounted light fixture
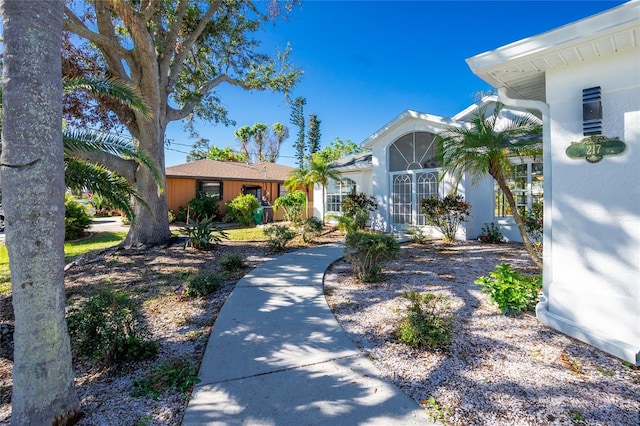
591	111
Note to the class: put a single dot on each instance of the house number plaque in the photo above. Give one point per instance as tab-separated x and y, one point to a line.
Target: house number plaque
594	148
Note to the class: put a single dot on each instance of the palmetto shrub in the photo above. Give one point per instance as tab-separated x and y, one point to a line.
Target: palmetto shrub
367	250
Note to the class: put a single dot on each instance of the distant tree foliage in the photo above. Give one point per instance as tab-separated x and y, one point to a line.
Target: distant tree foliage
339	148
297	119
258	143
314	135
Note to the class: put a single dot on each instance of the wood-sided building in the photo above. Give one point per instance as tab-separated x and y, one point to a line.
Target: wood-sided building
226	180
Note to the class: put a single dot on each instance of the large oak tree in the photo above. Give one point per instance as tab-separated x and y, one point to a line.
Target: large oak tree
33	196
176	53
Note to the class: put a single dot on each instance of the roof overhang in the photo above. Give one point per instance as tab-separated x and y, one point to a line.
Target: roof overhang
520	67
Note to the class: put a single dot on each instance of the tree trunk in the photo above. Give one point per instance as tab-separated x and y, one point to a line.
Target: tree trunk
519	223
33	188
151	225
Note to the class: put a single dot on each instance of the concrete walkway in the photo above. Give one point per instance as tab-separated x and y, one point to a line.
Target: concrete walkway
277	356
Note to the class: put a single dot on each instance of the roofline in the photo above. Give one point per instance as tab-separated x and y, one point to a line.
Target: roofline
436	119
603	24
223	179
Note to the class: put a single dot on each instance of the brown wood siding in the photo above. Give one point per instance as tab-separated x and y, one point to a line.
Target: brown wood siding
179	192
182	190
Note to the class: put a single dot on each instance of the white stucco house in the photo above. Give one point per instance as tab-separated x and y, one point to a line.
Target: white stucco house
583	81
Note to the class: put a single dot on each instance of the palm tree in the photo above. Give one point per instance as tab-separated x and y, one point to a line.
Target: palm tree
320	172
244	134
299	178
485	147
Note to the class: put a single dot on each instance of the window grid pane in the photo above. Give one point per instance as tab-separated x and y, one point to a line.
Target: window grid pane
427	186
401	196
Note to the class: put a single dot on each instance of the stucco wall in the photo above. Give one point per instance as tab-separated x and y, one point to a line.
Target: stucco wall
594	271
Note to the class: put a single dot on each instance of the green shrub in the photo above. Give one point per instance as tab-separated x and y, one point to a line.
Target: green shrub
76	219
279	235
311	228
203	284
356	210
173	374
534	224
429	322
446	214
418	234
491	234
512	291
109	326
233	264
242	208
203	206
366	250
293	204
202	233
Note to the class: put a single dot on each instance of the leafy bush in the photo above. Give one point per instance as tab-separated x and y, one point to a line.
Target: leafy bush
203	284
202	233
233	265
356	209
76	219
293	204
491	234
279	235
366	250
418	234
446	214
109	326
429	322
203	206
512	291
311	228
242	208
173	374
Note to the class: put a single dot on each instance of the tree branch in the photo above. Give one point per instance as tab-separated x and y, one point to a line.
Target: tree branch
123	167
180	55
175	114
75	25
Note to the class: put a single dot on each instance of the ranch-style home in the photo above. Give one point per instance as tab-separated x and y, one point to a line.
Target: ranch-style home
226	180
583	81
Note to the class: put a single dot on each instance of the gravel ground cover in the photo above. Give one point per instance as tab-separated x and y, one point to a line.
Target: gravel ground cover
498	370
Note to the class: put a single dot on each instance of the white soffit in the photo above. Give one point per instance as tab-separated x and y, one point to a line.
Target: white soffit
521	66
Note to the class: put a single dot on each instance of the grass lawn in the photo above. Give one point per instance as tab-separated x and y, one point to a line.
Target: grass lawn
72	249
246	234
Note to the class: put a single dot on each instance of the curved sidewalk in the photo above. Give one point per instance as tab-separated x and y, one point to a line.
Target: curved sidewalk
277	356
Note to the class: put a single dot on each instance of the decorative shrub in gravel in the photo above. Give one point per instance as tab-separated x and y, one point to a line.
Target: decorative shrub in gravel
203	284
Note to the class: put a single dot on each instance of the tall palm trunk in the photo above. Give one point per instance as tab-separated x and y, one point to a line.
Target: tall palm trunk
535	257
33	188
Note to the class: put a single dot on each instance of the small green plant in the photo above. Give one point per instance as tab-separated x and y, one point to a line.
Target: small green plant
203	284
534	224
233	264
512	291
446	214
203	206
278	236
203	233
242	208
293	204
109	326
605	372
366	250
173	374
491	234
311	228
437	412
418	234
76	219
429	322
356	209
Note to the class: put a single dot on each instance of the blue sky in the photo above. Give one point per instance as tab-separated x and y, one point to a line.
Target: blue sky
365	62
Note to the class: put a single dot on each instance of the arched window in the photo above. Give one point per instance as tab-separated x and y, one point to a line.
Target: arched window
413	170
336	191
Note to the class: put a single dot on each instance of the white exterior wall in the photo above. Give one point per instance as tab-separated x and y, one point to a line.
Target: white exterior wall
362	178
592	269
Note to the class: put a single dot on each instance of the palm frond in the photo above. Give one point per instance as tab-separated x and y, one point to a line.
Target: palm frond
81	175
90	141
114	88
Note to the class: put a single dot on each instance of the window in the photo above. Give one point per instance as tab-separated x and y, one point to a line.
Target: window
282	191
336	192
413	168
210	187
525	182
